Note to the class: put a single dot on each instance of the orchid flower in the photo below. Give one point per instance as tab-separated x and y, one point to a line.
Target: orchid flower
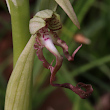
45	24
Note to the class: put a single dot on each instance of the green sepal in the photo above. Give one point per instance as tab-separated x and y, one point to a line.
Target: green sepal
44	14
42	18
35	24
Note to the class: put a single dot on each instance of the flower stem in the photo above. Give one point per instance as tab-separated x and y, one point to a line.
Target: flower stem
19	11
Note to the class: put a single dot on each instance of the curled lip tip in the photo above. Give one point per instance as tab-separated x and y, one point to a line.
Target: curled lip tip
83	94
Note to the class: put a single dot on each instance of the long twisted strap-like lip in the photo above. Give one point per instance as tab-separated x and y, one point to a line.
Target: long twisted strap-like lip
49	44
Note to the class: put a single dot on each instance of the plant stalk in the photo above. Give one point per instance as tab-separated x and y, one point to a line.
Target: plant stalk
20	16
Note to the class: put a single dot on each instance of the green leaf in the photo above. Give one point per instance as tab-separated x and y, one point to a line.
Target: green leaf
19	89
67	7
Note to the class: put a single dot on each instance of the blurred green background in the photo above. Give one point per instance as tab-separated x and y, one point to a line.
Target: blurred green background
91	64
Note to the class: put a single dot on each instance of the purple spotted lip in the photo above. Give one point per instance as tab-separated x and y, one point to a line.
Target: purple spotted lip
48	38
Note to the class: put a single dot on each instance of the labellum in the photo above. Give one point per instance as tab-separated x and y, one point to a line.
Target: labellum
45	24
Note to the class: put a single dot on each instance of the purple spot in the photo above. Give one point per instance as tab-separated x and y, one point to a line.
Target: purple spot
46	39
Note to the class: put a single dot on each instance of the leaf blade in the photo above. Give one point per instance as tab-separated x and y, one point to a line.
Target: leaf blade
67	7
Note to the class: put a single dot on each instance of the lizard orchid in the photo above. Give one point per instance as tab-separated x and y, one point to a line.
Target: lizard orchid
45	24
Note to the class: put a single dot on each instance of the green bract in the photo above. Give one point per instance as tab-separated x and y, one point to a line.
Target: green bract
19	88
43	18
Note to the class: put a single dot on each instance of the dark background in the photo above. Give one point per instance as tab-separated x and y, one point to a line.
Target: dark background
91	64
